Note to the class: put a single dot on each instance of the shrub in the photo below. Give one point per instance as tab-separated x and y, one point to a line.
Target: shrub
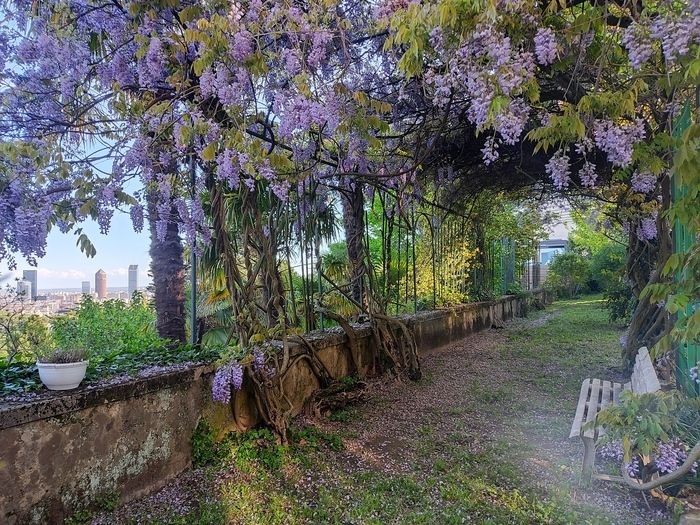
608	265
608	275
22	336
619	300
116	337
568	274
110	327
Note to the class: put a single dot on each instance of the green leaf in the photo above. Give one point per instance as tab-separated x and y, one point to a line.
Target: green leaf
209	153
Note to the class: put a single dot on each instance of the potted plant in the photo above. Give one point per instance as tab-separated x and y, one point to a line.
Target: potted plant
62	369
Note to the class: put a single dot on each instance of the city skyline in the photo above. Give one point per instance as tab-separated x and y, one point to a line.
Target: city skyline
65	267
31	278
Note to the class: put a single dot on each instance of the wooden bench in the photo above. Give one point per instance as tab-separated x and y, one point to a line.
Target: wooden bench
596	395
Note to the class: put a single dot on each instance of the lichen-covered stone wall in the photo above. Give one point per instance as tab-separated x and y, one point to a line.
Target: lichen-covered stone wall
60	453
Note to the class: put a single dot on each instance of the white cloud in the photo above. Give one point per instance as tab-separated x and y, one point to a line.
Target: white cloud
117	272
46	273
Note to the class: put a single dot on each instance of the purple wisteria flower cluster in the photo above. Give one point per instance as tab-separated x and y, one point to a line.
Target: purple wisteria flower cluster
612	451
637	41
671	455
675	31
260	365
643	182
618	140
559	170
647	229
226	377
694	373
634	467
588	175
546	48
666	458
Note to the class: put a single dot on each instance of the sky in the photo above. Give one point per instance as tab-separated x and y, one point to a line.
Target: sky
65	266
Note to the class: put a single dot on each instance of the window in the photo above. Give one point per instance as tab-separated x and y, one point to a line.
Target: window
548	253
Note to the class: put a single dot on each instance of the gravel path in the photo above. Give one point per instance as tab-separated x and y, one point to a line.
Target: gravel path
478	399
469	398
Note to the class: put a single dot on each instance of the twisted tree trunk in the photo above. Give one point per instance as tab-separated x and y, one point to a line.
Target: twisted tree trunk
650	321
354	225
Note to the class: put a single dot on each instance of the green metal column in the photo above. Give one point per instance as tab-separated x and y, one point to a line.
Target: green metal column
687	355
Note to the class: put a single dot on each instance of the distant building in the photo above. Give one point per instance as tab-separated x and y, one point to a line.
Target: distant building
86	287
24	289
550	248
101	284
133	279
31	276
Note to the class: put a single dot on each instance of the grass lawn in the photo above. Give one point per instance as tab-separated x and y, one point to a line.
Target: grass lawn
481	439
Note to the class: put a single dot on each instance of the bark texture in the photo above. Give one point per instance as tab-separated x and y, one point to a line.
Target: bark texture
168	269
354	226
650	321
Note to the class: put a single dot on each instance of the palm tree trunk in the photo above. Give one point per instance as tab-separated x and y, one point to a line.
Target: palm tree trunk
168	269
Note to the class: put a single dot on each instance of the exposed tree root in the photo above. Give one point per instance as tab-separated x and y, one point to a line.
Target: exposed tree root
395	350
396	342
350	334
336	396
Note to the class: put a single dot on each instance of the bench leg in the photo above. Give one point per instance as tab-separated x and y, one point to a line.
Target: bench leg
588	460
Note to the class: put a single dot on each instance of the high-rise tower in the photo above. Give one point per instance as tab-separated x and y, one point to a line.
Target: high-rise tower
101	284
133	279
31	276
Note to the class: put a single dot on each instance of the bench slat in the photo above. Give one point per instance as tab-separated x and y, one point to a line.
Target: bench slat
606	399
617	390
644	378
593	404
607	394
580	408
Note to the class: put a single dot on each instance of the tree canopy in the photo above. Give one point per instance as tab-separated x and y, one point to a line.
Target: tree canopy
428	101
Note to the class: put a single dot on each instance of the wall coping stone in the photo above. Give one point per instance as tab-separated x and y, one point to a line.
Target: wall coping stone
58	404
51	404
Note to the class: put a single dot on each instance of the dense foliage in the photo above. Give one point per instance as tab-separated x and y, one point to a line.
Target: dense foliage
109	327
652	433
117	338
242	120
568	274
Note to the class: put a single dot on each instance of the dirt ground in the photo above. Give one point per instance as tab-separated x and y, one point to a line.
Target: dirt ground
481	438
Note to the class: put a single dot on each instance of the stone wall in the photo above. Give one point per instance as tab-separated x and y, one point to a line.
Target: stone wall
57	453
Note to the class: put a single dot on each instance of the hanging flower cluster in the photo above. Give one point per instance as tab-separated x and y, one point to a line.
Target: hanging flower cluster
264	95
227	377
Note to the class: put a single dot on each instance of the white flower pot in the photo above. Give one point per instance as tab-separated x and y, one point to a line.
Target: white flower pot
62	376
